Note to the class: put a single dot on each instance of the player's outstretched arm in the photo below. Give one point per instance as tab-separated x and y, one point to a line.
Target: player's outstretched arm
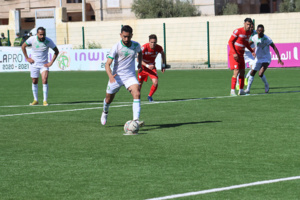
277	53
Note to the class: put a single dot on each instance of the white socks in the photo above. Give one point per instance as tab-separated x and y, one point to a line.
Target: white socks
248	74
105	106
264	79
35	91
45	91
136	108
250	81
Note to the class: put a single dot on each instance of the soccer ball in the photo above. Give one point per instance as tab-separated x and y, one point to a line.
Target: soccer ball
131	127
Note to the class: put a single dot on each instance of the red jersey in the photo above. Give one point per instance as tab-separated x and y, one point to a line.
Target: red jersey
149	54
238	41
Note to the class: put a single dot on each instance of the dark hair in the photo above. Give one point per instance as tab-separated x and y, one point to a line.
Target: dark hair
248	20
41	28
152	36
260	26
127	29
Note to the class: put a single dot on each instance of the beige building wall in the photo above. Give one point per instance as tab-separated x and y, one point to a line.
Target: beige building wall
186	38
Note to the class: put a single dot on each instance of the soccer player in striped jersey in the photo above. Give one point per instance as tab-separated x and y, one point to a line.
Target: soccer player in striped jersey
262	45
123	54
150	51
237	43
249	59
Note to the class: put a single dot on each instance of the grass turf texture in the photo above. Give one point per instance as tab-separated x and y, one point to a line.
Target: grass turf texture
185	146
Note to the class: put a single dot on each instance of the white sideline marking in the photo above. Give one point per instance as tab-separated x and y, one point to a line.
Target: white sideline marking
62	104
226	188
129	104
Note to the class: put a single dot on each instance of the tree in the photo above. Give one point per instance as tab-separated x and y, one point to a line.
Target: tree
289	6
163	9
230	9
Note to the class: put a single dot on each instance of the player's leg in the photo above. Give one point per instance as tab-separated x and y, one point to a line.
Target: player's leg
256	68
132	86
112	89
34	74
234	65
153	89
237	86
233	81
242	75
241	82
45	74
263	77
141	78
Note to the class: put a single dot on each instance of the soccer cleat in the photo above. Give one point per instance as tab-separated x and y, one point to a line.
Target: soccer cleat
232	94
103	118
247	91
267	88
141	123
150	99
241	92
34	103
246	81
45	103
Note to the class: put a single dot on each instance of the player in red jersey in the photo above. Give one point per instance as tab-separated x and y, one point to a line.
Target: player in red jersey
237	43
150	51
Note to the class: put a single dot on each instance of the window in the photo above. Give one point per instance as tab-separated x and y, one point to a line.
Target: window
74	1
113	3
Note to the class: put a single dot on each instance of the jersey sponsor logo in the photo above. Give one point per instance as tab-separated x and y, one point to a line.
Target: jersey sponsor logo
235	66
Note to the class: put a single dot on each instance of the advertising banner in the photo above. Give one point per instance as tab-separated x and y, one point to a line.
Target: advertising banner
289	54
13	60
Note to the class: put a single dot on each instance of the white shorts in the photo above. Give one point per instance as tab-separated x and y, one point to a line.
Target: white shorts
36	70
251	63
258	65
113	88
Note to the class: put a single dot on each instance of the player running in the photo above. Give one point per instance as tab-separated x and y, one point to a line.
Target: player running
150	51
39	62
262	45
123	53
237	43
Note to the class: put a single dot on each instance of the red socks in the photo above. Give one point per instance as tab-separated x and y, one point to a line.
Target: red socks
152	90
241	82
233	83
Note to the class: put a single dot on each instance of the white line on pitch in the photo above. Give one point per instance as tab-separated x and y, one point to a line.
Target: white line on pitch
62	104
129	104
226	188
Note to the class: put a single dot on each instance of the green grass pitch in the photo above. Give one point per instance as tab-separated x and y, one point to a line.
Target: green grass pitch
196	138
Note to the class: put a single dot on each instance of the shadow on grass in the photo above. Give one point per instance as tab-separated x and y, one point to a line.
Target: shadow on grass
161	126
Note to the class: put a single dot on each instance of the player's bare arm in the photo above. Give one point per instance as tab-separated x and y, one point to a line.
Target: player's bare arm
277	53
56	52
163	57
140	60
231	45
30	60
247	44
108	70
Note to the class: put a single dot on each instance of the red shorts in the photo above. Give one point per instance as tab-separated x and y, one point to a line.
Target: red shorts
143	75
240	64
